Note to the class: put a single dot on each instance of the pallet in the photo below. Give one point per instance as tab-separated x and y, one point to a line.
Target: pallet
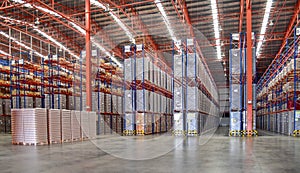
67	141
179	133
55	142
30	144
76	139
192	133
129	132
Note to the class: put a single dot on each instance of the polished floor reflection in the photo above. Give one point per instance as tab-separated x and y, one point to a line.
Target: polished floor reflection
268	153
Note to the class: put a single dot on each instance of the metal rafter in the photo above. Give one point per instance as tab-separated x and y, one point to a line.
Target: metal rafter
287	34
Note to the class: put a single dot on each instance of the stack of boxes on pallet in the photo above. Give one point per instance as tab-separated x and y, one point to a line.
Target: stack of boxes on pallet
29	126
40	126
56	83
236	64
108	98
238	91
5	120
147	97
196	108
278	107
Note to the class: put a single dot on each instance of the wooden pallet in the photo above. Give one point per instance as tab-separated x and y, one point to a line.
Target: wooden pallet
30	144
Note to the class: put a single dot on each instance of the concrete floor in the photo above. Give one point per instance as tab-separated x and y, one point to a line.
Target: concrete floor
217	153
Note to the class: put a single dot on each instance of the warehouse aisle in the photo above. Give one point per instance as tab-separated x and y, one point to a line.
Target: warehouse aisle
218	154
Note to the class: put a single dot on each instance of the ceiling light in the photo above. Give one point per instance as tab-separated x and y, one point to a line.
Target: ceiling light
114	16
37	22
19	43
165	18
25	4
4	53
264	26
214	11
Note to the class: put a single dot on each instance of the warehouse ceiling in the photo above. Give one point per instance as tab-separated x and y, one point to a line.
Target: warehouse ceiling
116	23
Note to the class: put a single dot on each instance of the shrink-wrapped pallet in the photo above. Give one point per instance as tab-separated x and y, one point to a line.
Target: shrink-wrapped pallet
29	126
54	125
66	125
84	124
92	125
75	124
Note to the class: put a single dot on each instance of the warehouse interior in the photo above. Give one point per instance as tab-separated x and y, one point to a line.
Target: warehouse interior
149	86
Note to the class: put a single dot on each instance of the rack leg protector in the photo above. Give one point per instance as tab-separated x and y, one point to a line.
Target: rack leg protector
296	133
179	133
129	132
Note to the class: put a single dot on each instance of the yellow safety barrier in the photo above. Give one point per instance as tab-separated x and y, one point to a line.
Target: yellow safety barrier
192	132
129	132
179	132
243	133
140	132
296	133
235	133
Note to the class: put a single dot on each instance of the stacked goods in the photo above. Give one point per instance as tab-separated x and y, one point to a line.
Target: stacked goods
148	87
278	96
85	124
54	125
108	124
92	125
101	124
195	95
75	124
119	124
29	126
66	125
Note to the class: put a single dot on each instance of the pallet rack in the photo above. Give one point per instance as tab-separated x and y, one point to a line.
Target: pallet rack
238	86
5	122
147	93
108	96
278	90
196	108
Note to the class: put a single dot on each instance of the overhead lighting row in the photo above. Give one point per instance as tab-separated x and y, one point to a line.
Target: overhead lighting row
27	5
21	44
165	18
264	26
215	13
35	28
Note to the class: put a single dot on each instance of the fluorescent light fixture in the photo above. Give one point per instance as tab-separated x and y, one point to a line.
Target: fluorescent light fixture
264	26
4	53
35	28
114	16
214	11
121	24
19	43
25	4
56	42
165	18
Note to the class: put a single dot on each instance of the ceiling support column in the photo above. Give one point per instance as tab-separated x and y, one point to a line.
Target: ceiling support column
249	66
88	55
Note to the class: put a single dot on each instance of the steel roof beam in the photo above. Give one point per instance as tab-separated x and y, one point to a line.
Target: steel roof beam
96	30
144	30
287	34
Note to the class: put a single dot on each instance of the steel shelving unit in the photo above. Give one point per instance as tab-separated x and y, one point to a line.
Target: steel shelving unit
278	92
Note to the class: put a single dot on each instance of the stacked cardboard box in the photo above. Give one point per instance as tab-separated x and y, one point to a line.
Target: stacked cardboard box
66	125
54	125
29	126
